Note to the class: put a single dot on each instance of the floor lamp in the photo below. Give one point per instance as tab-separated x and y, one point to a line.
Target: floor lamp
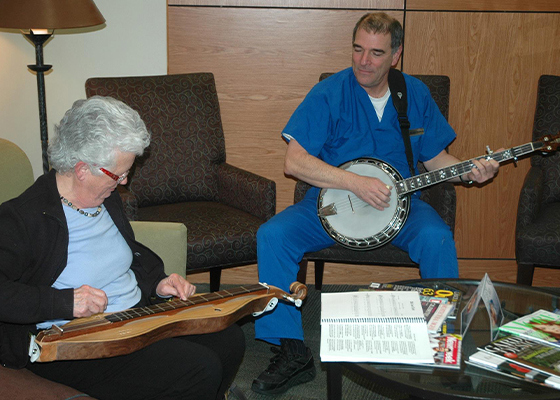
37	19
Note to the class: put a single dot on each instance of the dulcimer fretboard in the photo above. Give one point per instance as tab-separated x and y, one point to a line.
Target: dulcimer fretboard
167	306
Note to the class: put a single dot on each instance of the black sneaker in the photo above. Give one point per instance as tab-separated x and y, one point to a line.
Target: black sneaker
286	369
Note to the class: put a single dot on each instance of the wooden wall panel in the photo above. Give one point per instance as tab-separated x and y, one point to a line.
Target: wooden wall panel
494	61
484	5
264	61
346	4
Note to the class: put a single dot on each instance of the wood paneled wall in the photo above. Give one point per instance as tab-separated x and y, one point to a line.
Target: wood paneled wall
267	54
494	61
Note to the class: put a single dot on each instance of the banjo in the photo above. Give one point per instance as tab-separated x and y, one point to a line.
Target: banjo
356	225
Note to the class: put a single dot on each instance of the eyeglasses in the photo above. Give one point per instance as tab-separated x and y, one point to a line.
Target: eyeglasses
114	177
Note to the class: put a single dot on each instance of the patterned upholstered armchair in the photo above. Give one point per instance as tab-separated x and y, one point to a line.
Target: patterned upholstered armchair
441	197
184	177
537	235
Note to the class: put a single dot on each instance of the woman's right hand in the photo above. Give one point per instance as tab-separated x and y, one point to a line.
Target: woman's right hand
89	301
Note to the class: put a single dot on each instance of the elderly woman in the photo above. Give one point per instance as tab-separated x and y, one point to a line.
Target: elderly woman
67	251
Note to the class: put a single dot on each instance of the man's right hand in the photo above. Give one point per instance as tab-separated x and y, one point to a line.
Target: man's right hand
372	190
89	301
300	164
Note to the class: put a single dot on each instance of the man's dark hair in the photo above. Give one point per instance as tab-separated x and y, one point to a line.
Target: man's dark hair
380	22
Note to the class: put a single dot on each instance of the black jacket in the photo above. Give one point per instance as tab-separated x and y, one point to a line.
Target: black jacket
33	253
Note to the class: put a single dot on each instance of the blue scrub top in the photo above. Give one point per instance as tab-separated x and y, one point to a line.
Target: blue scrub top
337	122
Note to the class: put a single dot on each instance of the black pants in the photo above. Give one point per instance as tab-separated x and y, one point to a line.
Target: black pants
188	367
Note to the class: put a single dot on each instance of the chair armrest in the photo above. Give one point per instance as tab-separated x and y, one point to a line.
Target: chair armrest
443	198
300	190
130	203
167	239
530	198
246	191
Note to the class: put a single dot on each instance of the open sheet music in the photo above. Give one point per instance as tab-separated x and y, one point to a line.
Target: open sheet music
365	326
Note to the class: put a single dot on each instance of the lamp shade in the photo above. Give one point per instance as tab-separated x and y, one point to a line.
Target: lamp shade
49	14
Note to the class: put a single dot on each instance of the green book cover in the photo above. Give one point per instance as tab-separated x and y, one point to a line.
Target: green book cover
542	326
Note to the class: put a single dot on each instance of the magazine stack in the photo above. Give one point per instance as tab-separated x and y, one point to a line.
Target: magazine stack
529	351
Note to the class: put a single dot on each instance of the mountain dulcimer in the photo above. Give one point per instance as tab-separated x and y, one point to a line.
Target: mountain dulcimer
113	334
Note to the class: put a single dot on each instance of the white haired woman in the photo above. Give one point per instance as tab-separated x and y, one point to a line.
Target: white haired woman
67	250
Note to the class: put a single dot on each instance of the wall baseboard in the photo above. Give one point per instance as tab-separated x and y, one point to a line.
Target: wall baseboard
498	270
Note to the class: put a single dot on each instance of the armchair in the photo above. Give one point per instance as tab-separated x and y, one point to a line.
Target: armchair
441	197
537	232
18	174
184	177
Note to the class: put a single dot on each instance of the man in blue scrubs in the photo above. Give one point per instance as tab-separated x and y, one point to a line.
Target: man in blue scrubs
348	116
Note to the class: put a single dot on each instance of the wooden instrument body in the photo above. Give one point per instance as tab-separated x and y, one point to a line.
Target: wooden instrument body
95	337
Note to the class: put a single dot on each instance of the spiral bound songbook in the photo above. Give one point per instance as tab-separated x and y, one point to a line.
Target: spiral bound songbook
369	326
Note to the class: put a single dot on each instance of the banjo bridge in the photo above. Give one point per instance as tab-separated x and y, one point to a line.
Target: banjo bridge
327	210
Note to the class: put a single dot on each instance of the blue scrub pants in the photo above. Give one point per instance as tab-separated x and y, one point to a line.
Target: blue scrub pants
284	239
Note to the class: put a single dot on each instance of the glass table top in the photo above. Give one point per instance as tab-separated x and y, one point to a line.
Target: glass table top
470	381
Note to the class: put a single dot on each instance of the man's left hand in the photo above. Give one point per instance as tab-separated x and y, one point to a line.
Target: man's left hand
175	285
483	170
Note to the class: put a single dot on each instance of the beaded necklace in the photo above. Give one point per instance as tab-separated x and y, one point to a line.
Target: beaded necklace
85	213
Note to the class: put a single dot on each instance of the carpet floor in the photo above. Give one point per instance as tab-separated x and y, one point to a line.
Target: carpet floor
258	354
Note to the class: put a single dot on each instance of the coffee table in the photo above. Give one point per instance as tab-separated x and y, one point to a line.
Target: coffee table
469	382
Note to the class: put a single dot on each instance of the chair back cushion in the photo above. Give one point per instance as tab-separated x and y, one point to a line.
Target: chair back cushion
167	239
547	121
183	115
16	173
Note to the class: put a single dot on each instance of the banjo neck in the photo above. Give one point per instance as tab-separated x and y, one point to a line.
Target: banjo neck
430	178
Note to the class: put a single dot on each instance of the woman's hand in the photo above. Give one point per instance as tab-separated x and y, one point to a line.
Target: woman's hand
175	285
88	301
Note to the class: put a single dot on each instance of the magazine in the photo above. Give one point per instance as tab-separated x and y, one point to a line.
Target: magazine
449	293
492	362
526	352
542	326
447	350
436	321
429	308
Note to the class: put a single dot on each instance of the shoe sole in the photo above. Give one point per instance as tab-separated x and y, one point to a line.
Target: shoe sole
296	380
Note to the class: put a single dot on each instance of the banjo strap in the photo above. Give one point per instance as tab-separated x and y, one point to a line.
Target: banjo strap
397	86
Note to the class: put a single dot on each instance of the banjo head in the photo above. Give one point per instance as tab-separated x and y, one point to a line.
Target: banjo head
355	224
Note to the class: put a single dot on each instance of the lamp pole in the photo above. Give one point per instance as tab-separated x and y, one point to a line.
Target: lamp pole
40	18
40	69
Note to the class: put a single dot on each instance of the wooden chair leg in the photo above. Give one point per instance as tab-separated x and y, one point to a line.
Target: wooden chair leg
302	274
215	276
525	274
319	269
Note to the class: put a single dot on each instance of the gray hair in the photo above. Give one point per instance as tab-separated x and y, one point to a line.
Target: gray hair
93	130
381	22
